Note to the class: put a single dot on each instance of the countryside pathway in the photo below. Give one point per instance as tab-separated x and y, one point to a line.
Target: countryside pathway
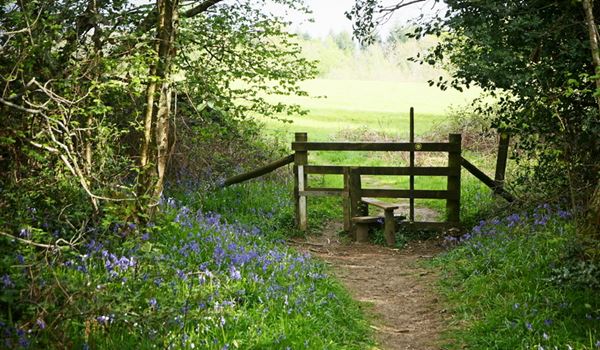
398	293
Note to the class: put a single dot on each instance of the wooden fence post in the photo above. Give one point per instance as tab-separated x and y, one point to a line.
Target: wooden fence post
300	161
502	158
411	214
454	163
346	201
354	196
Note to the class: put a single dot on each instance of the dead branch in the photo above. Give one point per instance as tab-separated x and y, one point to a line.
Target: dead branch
39	245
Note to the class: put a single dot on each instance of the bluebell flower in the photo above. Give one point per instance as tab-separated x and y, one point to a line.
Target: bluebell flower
234	274
103	319
40	323
7	282
25	233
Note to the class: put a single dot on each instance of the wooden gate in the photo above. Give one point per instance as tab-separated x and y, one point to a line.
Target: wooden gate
353	192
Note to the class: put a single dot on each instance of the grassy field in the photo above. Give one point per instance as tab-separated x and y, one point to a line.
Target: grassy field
383	106
356	110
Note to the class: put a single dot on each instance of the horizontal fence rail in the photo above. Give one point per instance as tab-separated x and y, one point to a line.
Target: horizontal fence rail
374	170
376	146
260	171
420	194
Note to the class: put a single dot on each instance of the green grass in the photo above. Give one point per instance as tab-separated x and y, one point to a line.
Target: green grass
378	105
518	283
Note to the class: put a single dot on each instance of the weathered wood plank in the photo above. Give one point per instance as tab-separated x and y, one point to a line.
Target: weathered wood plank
453	201
302	200
300	159
411	214
502	159
374	170
354	195
481	176
346	201
321	192
421	194
367	219
389	227
260	171
380	204
374	146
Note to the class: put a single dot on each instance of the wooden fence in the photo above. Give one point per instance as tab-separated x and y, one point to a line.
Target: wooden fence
353	190
354	194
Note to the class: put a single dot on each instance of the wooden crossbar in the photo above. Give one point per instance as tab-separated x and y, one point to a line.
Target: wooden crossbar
376	146
374	170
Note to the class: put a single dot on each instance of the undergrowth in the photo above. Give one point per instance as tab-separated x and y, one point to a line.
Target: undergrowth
192	279
520	282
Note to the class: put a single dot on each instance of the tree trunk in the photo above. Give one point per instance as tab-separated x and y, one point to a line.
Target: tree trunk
588	6
154	152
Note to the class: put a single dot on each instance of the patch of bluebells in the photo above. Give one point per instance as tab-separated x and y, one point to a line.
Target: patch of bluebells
532	324
542	216
208	271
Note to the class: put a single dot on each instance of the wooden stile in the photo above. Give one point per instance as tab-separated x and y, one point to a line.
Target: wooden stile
355	197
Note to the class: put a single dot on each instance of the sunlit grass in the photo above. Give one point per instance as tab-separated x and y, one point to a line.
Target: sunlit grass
384	106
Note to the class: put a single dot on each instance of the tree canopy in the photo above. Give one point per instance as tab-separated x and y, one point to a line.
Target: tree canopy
534	58
93	90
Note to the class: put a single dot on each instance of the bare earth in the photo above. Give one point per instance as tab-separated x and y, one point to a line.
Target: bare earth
398	293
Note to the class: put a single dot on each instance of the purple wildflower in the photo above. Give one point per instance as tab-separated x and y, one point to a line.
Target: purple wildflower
7	281
234	274
40	323
25	233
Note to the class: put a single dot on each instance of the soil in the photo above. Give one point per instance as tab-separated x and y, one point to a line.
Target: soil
398	294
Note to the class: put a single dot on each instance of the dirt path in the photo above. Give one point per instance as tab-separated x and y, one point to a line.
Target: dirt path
398	293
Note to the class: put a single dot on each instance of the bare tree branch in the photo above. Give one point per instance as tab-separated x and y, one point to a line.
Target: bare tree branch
399	5
35	244
200	8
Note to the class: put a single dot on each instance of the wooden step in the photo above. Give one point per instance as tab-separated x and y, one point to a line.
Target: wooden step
367	219
380	204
